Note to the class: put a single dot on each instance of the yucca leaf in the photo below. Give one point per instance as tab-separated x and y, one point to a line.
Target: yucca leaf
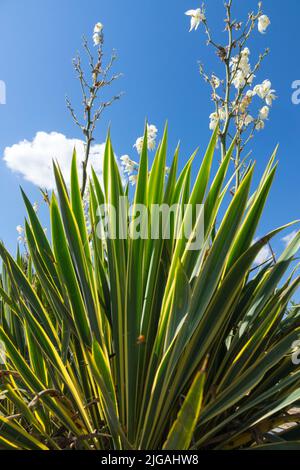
41	240
251	376
100	369
12	431
77	208
24	286
181	433
77	253
248	229
63	257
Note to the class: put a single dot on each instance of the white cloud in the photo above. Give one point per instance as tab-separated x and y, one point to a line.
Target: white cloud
289	237
263	256
33	159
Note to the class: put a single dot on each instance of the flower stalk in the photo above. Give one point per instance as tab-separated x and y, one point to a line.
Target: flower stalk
92	85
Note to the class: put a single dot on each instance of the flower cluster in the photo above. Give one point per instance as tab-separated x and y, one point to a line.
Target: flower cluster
197	17
241	69
263	91
130	167
98	34
128	164
241	76
151	139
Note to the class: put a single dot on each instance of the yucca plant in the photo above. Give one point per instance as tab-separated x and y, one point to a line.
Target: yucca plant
142	343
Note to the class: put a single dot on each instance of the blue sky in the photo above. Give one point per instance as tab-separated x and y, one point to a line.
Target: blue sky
158	57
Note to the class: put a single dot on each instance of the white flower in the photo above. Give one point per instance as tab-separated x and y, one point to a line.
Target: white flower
216	82
263	89
270	97
265	93
241	62
266	85
98	34
125	159
239	80
248	119
264	113
139	144
133	179
128	164
222	114
244	65
245	52
259	125
250	79
258	91
97	39
20	229
234	62
250	94
197	16
98	28
152	131
151	144
35	207
213	121
241	69
263	23
151	139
